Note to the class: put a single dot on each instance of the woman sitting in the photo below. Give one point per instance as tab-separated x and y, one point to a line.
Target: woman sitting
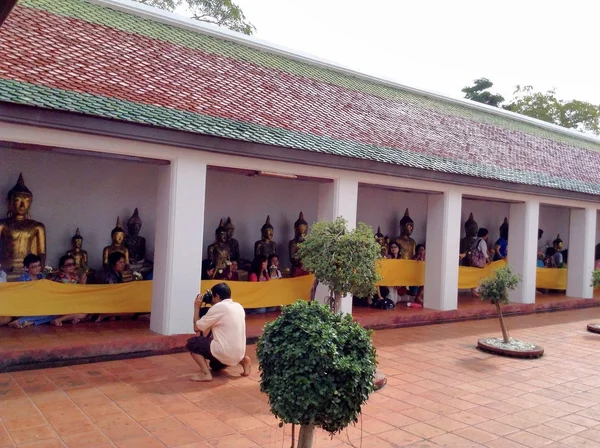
114	275
33	272
273	263
258	271
66	274
418	291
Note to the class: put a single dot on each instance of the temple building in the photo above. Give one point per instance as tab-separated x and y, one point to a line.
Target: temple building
119	114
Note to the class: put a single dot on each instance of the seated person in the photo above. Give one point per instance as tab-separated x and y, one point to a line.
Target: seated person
67	274
273	263
553	259
258	271
33	272
223	339
232	272
208	269
418	291
114	275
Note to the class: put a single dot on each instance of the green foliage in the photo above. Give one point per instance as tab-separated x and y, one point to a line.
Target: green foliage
317	367
596	279
219	12
479	92
344	260
495	288
546	106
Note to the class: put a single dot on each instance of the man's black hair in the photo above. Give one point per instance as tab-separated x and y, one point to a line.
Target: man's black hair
222	290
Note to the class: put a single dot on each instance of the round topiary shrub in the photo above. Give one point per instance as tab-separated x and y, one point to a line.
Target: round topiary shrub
317	368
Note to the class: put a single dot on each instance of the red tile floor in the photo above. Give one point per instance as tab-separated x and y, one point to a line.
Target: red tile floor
38	346
441	391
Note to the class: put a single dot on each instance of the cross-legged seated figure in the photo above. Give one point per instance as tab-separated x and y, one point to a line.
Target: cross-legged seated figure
33	272
67	274
223	340
114	275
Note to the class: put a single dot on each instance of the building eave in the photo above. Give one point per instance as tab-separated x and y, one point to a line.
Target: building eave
6	7
168	18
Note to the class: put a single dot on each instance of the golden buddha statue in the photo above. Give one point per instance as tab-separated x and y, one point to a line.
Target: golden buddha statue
20	235
266	246
118	237
234	245
467	243
300	229
407	245
219	251
79	255
381	241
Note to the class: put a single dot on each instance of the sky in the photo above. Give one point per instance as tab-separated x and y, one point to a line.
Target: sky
443	45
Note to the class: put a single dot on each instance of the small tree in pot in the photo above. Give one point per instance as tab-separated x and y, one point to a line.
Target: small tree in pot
595	328
317	368
495	289
345	260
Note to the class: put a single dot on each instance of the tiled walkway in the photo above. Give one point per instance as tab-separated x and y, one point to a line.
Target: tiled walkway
441	392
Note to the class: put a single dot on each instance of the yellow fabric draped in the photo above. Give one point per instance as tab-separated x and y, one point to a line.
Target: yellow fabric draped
48	298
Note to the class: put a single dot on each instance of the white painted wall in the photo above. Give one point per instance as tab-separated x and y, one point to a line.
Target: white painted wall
248	201
554	221
71	191
383	207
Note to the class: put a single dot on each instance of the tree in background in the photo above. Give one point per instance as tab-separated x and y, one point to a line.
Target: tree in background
223	13
479	92
573	114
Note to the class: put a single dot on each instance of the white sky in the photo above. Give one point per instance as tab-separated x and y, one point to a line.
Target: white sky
442	45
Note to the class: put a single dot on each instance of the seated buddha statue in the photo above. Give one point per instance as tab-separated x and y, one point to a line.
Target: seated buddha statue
117	236
467	243
266	246
380	238
79	255
300	229
136	244
219	252
234	245
407	245
20	235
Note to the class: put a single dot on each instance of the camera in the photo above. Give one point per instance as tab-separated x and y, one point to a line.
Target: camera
207	298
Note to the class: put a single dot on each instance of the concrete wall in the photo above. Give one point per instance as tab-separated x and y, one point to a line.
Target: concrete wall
554	221
248	201
488	214
71	191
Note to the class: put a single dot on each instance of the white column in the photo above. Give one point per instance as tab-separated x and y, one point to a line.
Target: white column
338	198
580	263
522	248
442	242
179	240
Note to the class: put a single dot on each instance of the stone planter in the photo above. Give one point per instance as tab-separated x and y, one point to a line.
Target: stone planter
515	349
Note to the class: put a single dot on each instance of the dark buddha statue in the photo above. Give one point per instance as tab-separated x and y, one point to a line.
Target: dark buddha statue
234	245
467	243
219	251
380	238
300	229
266	246
407	245
136	244
20	235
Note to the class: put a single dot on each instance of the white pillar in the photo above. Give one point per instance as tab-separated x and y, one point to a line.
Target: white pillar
179	240
442	242
338	198
580	263
522	248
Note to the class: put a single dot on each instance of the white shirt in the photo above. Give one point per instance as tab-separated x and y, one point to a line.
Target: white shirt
227	320
482	246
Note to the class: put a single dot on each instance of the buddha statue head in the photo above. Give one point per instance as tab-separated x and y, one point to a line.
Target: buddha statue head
19	200
379	237
471	227
221	233
134	224
407	225
118	233
267	230
229	227
77	240
300	227
557	243
504	229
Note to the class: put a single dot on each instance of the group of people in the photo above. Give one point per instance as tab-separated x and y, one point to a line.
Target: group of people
69	274
262	269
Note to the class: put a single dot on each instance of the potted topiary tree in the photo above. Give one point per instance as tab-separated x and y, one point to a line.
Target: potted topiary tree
495	290
595	328
344	260
317	368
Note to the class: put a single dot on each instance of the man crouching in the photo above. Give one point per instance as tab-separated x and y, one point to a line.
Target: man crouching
223	340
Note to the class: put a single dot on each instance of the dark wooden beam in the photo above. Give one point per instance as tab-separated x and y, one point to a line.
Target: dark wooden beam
6	7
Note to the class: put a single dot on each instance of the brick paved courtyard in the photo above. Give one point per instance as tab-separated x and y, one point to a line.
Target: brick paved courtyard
441	392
